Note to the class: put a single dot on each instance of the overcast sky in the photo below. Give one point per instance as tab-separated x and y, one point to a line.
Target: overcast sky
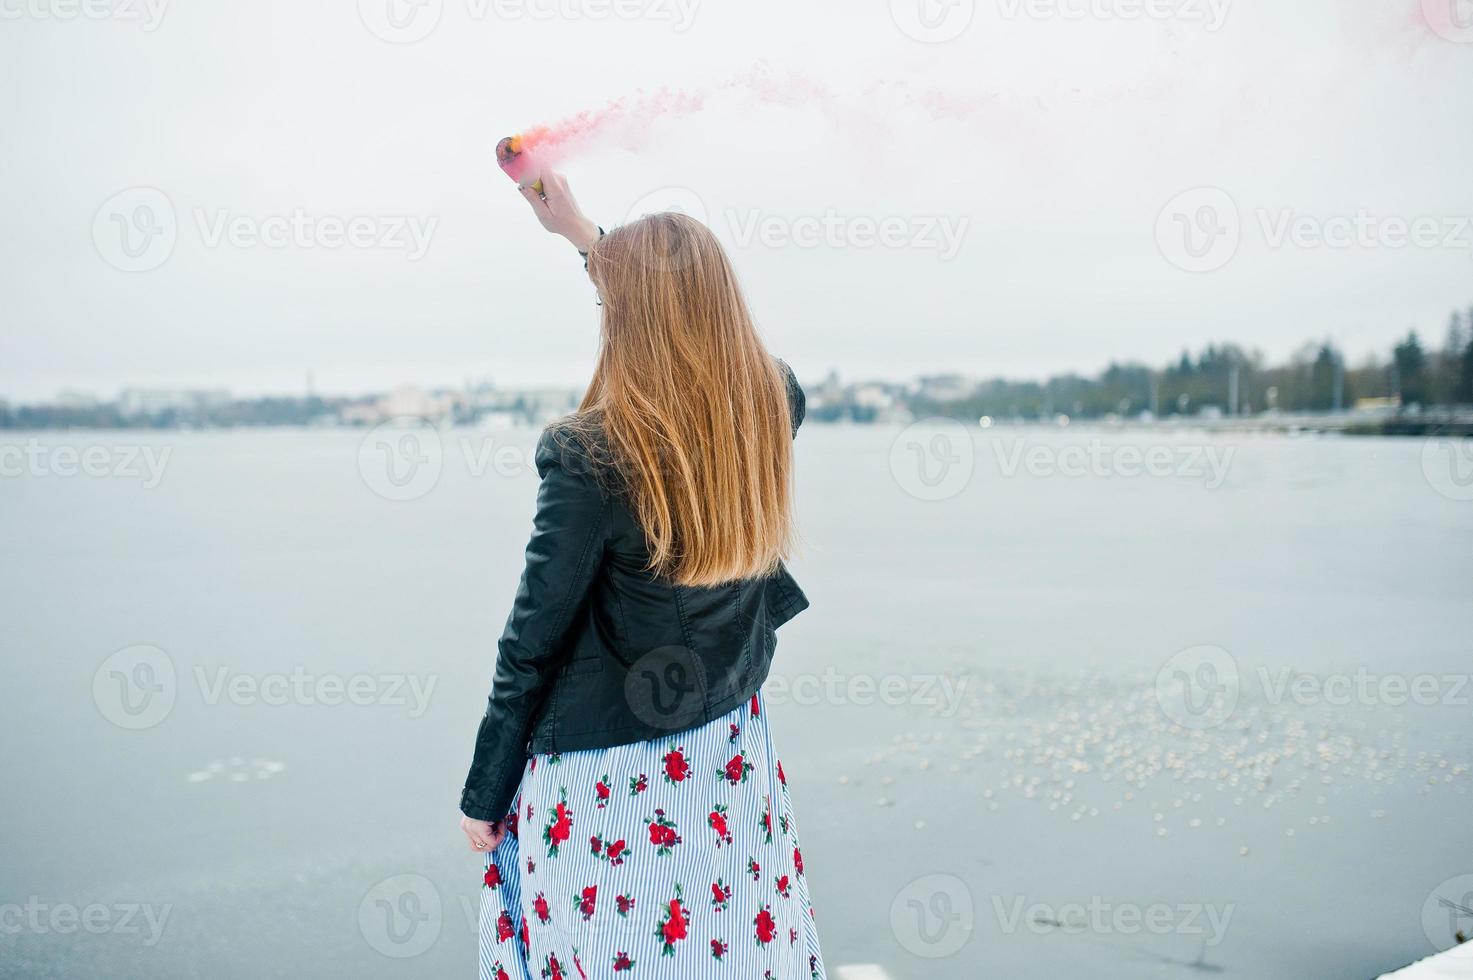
1005	187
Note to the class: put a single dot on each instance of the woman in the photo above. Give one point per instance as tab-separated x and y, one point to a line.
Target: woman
624	788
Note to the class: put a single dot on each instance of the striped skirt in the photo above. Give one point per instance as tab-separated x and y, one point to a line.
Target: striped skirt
674	858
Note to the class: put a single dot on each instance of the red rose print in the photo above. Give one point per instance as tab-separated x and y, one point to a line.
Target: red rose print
526	936
501	974
736	733
552	970
720	894
622	962
676	768
638	784
579	964
531	866
583	904
624	904
672	928
736	770
754	869
718	948
493	876
603	791
539	905
504	930
717	820
561	826
756	707
780	777
663	834
766	928
798	861
792	936
615	852
782	885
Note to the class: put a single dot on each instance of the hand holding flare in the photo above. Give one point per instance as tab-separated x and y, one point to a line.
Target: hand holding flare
512	158
551	200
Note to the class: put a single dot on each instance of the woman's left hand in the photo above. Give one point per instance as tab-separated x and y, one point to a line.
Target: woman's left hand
482	835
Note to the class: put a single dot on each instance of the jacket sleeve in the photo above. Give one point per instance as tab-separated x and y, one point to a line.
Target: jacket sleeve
563	556
797	402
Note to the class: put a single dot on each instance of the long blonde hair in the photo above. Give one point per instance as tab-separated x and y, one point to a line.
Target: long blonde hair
692	407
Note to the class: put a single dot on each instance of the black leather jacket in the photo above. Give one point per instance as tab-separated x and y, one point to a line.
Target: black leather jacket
599	652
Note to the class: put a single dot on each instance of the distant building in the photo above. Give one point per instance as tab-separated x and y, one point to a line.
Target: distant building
155	402
408	400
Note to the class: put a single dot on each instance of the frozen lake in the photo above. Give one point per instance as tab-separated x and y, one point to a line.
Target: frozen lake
1067	703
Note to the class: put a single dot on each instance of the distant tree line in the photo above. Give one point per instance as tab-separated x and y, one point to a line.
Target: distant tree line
1226	378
